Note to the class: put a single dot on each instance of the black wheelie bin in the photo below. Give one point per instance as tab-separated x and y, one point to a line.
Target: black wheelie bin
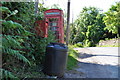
55	59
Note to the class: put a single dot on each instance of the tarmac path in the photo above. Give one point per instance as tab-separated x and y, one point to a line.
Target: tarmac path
96	62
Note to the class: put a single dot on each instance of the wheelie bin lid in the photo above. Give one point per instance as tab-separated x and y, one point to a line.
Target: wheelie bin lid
58	46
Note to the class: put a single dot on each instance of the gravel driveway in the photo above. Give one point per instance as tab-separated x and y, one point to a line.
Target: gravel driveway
96	62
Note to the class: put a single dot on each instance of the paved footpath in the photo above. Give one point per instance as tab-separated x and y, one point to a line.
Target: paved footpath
96	62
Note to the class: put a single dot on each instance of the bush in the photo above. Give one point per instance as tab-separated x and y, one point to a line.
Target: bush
22	50
78	45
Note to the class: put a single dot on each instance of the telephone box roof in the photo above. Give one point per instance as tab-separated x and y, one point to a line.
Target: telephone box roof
54	9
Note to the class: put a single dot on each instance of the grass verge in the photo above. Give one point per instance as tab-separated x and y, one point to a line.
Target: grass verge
72	58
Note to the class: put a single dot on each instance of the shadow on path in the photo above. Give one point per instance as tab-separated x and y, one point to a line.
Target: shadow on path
90	65
93	70
86	55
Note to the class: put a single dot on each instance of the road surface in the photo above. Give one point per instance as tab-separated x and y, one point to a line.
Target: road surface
96	62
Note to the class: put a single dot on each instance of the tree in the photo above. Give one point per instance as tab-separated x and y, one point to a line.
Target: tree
112	19
89	27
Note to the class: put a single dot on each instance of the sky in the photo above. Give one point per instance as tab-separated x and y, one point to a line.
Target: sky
77	5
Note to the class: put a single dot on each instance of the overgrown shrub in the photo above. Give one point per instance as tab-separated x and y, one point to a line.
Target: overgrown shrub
13	35
23	50
78	45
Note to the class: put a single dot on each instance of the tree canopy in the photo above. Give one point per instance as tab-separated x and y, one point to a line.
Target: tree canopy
112	19
89	27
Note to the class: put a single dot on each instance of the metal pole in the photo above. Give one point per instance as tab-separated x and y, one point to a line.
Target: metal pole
68	23
36	6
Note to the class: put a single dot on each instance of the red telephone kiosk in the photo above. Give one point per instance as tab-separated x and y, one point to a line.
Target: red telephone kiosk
55	23
53	20
55	51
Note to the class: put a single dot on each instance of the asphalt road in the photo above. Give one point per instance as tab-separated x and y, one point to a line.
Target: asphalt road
97	62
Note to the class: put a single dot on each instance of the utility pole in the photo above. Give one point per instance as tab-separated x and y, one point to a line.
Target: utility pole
68	23
72	22
36	6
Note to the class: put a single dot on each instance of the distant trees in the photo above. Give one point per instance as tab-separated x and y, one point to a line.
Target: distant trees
112	19
89	27
92	25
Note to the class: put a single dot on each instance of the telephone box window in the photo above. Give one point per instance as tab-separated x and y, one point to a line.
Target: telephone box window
53	24
53	28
